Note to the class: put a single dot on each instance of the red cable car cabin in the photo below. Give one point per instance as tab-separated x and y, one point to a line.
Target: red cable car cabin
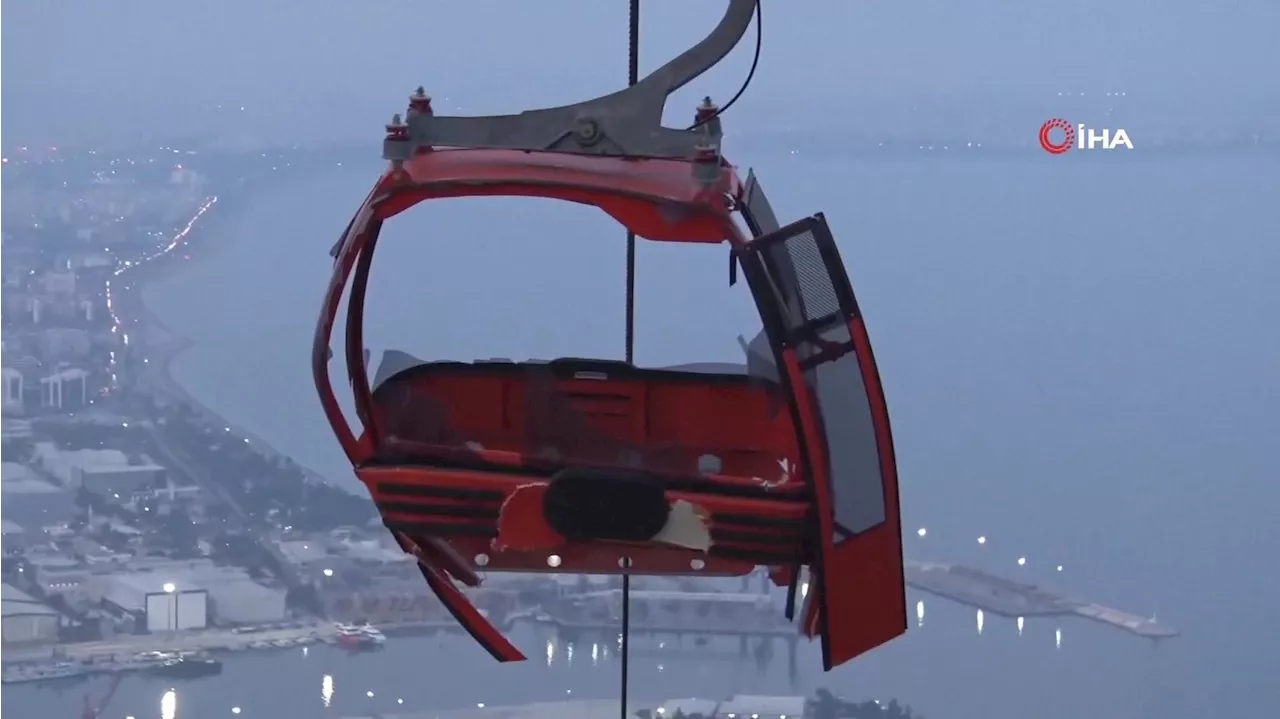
597	466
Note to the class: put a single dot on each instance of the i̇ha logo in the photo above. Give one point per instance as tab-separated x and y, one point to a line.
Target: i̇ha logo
1080	137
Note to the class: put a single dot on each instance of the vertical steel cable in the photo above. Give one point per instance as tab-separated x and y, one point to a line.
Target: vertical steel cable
633	76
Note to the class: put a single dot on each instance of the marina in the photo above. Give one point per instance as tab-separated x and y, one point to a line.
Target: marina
738	706
675	612
183	656
990	593
580	709
754	618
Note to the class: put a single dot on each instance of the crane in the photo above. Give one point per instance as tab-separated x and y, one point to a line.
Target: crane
94	712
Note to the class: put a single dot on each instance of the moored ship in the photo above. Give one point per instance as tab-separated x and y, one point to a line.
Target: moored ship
364	637
186	668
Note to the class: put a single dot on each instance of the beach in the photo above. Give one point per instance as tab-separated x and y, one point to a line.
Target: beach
128	307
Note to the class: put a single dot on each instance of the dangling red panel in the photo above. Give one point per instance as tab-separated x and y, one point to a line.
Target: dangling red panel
858	596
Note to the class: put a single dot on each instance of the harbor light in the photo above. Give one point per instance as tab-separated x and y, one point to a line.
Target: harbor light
169	587
480	705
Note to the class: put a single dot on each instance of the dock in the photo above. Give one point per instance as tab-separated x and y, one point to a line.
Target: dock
213	641
741	705
1004	597
579	709
670	612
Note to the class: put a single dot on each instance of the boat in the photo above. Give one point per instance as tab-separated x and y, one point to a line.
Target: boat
186	668
59	672
359	637
154	657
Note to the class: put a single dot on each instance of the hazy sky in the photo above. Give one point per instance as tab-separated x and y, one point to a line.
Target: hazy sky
1080	353
332	69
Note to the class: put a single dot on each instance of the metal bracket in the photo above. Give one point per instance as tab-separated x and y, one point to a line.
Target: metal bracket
627	123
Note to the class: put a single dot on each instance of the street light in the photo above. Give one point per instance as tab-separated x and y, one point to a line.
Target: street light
169	588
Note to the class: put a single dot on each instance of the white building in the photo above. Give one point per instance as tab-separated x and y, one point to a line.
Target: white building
13	429
66	389
741	706
57	573
25	619
12	391
230	595
31	500
13	537
104	471
161	603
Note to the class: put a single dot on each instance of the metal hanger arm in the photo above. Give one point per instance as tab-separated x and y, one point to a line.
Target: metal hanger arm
624	123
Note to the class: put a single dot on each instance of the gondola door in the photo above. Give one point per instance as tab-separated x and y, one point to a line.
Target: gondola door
857	598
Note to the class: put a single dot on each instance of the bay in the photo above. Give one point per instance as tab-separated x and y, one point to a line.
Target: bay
1079	355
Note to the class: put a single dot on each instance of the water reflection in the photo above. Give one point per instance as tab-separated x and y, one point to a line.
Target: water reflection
721	659
169	705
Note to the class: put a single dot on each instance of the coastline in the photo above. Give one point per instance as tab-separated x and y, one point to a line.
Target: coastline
164	345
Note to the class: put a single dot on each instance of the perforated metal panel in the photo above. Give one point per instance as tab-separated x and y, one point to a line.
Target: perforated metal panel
817	293
808	277
812	307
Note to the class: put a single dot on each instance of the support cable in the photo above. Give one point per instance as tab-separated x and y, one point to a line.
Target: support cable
633	77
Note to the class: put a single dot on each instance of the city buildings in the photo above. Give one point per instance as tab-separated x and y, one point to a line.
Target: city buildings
59	573
32	501
26	620
13	386
65	389
12	536
158	603
102	471
13	430
171	596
